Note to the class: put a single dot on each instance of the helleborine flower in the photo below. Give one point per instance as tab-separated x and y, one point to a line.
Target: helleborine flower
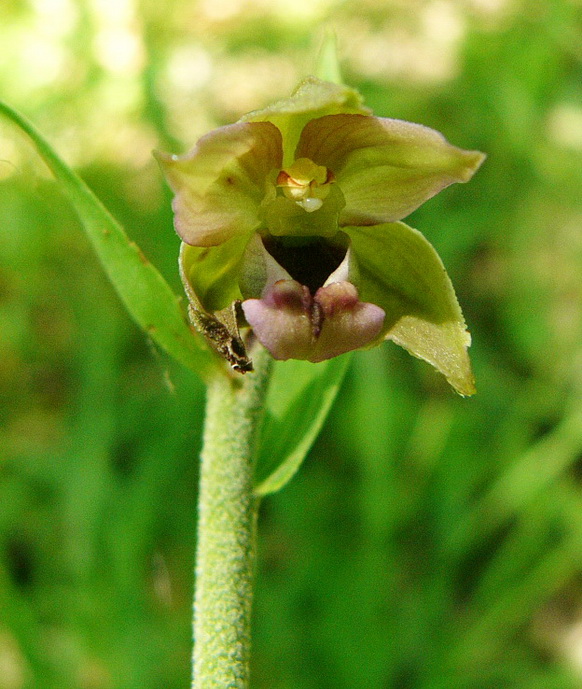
290	220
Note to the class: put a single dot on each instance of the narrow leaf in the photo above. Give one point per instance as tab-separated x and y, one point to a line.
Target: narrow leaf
299	398
143	290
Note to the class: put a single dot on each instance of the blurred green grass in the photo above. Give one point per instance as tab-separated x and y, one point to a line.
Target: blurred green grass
429	542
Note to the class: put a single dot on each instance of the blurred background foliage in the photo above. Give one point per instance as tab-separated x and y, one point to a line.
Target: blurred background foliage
429	542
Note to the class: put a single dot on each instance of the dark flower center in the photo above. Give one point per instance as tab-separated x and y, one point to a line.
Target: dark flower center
309	260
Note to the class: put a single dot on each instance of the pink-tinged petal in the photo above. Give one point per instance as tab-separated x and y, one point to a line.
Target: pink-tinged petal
385	168
220	185
348	323
282	320
292	324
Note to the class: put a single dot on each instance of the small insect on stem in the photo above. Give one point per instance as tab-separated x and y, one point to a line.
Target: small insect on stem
226	340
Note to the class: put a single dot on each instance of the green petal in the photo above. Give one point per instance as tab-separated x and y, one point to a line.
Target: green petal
385	168
312	98
221	183
402	273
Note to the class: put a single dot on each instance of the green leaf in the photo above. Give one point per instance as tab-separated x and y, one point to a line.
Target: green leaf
403	274
299	398
145	293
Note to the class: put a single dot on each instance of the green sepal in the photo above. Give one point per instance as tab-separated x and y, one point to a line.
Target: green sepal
311	99
402	273
211	273
217	317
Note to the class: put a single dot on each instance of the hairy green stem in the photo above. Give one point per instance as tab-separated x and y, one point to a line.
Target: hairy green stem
225	557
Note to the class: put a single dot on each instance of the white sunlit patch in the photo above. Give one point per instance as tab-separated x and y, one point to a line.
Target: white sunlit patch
493	9
242	82
47	10
220	10
442	29
114	11
442	22
118	45
13	668
565	125
35	54
119	50
423	50
181	85
188	69
42	60
571	645
302	10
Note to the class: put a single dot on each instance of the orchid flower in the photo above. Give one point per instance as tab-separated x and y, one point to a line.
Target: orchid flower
291	226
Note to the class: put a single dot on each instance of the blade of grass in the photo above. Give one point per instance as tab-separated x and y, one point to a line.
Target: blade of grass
143	290
498	615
